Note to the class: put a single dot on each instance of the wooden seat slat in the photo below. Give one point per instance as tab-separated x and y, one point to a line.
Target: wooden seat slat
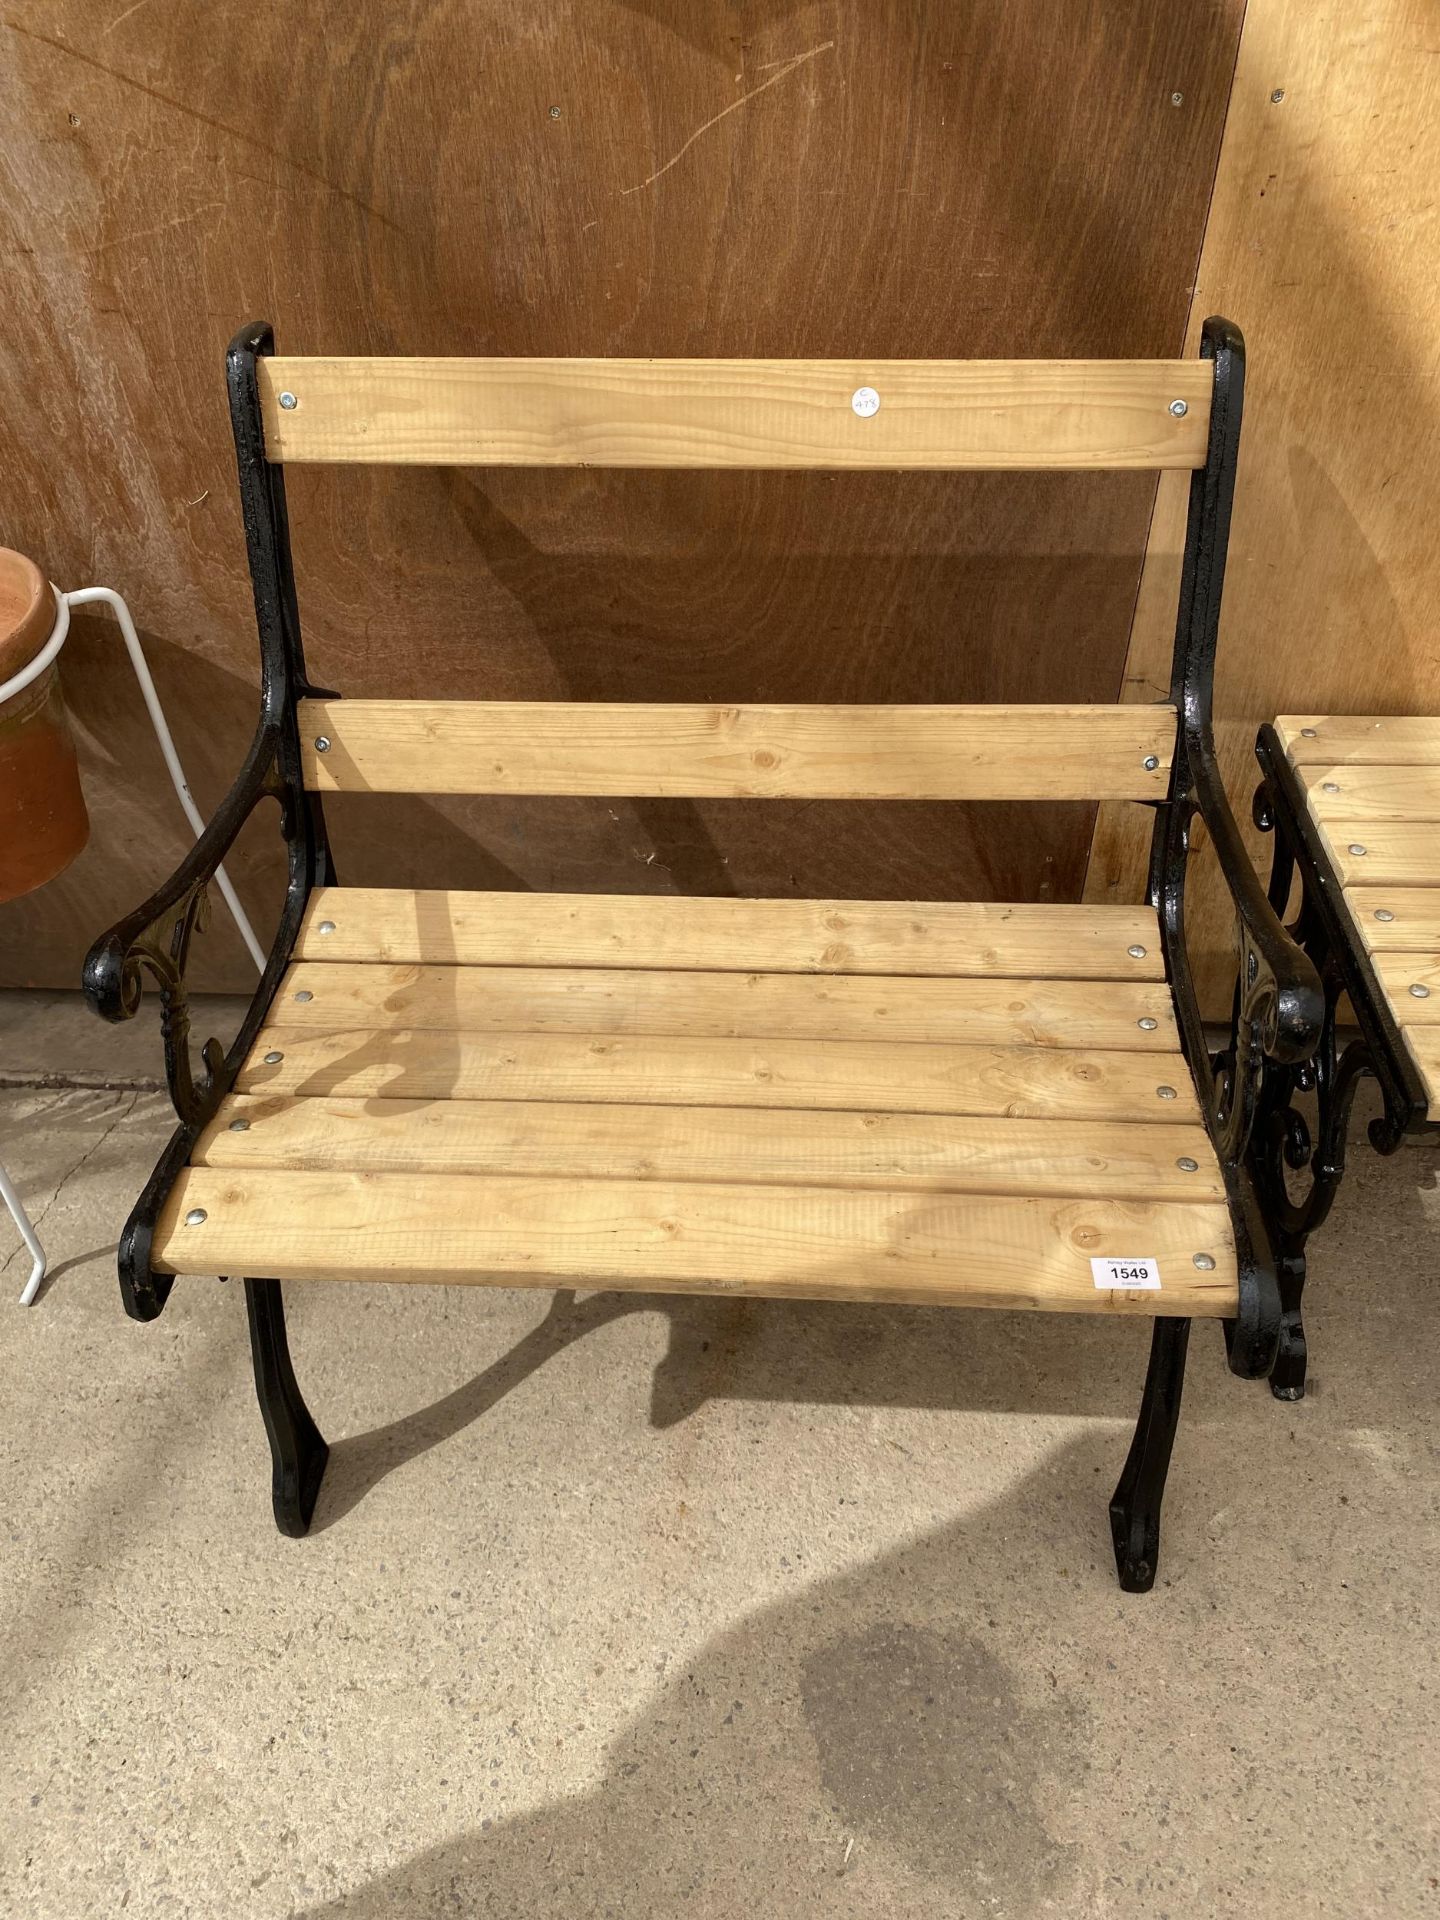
669	1070
1362	793
759	1145
777	1242
1411	922
1049	1013
1395	740
928	937
1376	853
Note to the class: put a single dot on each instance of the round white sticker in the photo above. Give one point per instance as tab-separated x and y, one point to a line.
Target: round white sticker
865	401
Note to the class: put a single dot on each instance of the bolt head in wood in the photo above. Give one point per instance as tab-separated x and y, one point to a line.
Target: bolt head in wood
1179	408
1419	992
289	402
1356	848
1187	1165
1383	913
273	1059
326	926
1166	1093
1205	1262
239	1126
1136	953
196	1217
1329	786
1147	1024
322	743
1307	733
304	995
1151	762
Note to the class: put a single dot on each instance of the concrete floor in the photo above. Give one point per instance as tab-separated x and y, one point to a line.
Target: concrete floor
624	1607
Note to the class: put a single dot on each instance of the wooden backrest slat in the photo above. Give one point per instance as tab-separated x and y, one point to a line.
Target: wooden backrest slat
1028	414
749	752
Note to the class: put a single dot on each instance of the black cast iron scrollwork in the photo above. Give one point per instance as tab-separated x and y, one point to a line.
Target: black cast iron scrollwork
1278	1007
1286	1150
156	939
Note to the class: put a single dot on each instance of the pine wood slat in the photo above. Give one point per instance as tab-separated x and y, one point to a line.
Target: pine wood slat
737	413
1362	792
1050	1013
1375	853
1414	918
1424	1045
680	750
769	1146
671	1071
931	937
1313	739
1412	985
801	1242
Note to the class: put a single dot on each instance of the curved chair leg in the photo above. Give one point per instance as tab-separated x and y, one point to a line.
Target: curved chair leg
1135	1508
1287	1376
297	1449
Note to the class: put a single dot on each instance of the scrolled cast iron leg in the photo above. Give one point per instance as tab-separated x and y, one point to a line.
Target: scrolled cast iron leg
1135	1507
1287	1376
297	1449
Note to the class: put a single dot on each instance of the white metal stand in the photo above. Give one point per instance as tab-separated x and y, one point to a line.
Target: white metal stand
105	596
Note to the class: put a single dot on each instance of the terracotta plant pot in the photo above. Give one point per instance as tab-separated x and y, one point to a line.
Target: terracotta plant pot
43	822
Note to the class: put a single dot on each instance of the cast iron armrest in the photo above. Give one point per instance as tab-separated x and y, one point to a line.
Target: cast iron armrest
156	937
1279	995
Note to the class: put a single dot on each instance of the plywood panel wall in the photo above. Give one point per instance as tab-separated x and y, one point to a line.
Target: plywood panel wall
817	177
1324	244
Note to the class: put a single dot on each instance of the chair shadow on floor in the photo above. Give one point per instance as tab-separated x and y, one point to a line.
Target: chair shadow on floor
816	1352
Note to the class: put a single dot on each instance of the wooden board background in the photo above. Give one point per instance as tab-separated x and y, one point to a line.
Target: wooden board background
799	178
1324	243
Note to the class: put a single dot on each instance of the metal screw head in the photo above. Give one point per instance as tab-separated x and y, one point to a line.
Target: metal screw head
1166	1093
326	926
196	1217
1277	96
239	1126
1329	786
1419	991
304	995
1177	99
1307	733
554	113
322	743
289	402
1136	953
1187	1165
1147	1025
1205	1262
1179	408
1356	848
273	1059
1383	913
1150	762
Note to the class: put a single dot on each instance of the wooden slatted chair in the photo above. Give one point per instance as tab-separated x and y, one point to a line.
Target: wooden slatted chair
1354	804
960	1103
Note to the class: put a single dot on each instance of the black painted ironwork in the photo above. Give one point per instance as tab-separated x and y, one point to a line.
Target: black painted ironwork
1285	1149
297	1451
1278	1017
156	938
1278	1008
1135	1504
